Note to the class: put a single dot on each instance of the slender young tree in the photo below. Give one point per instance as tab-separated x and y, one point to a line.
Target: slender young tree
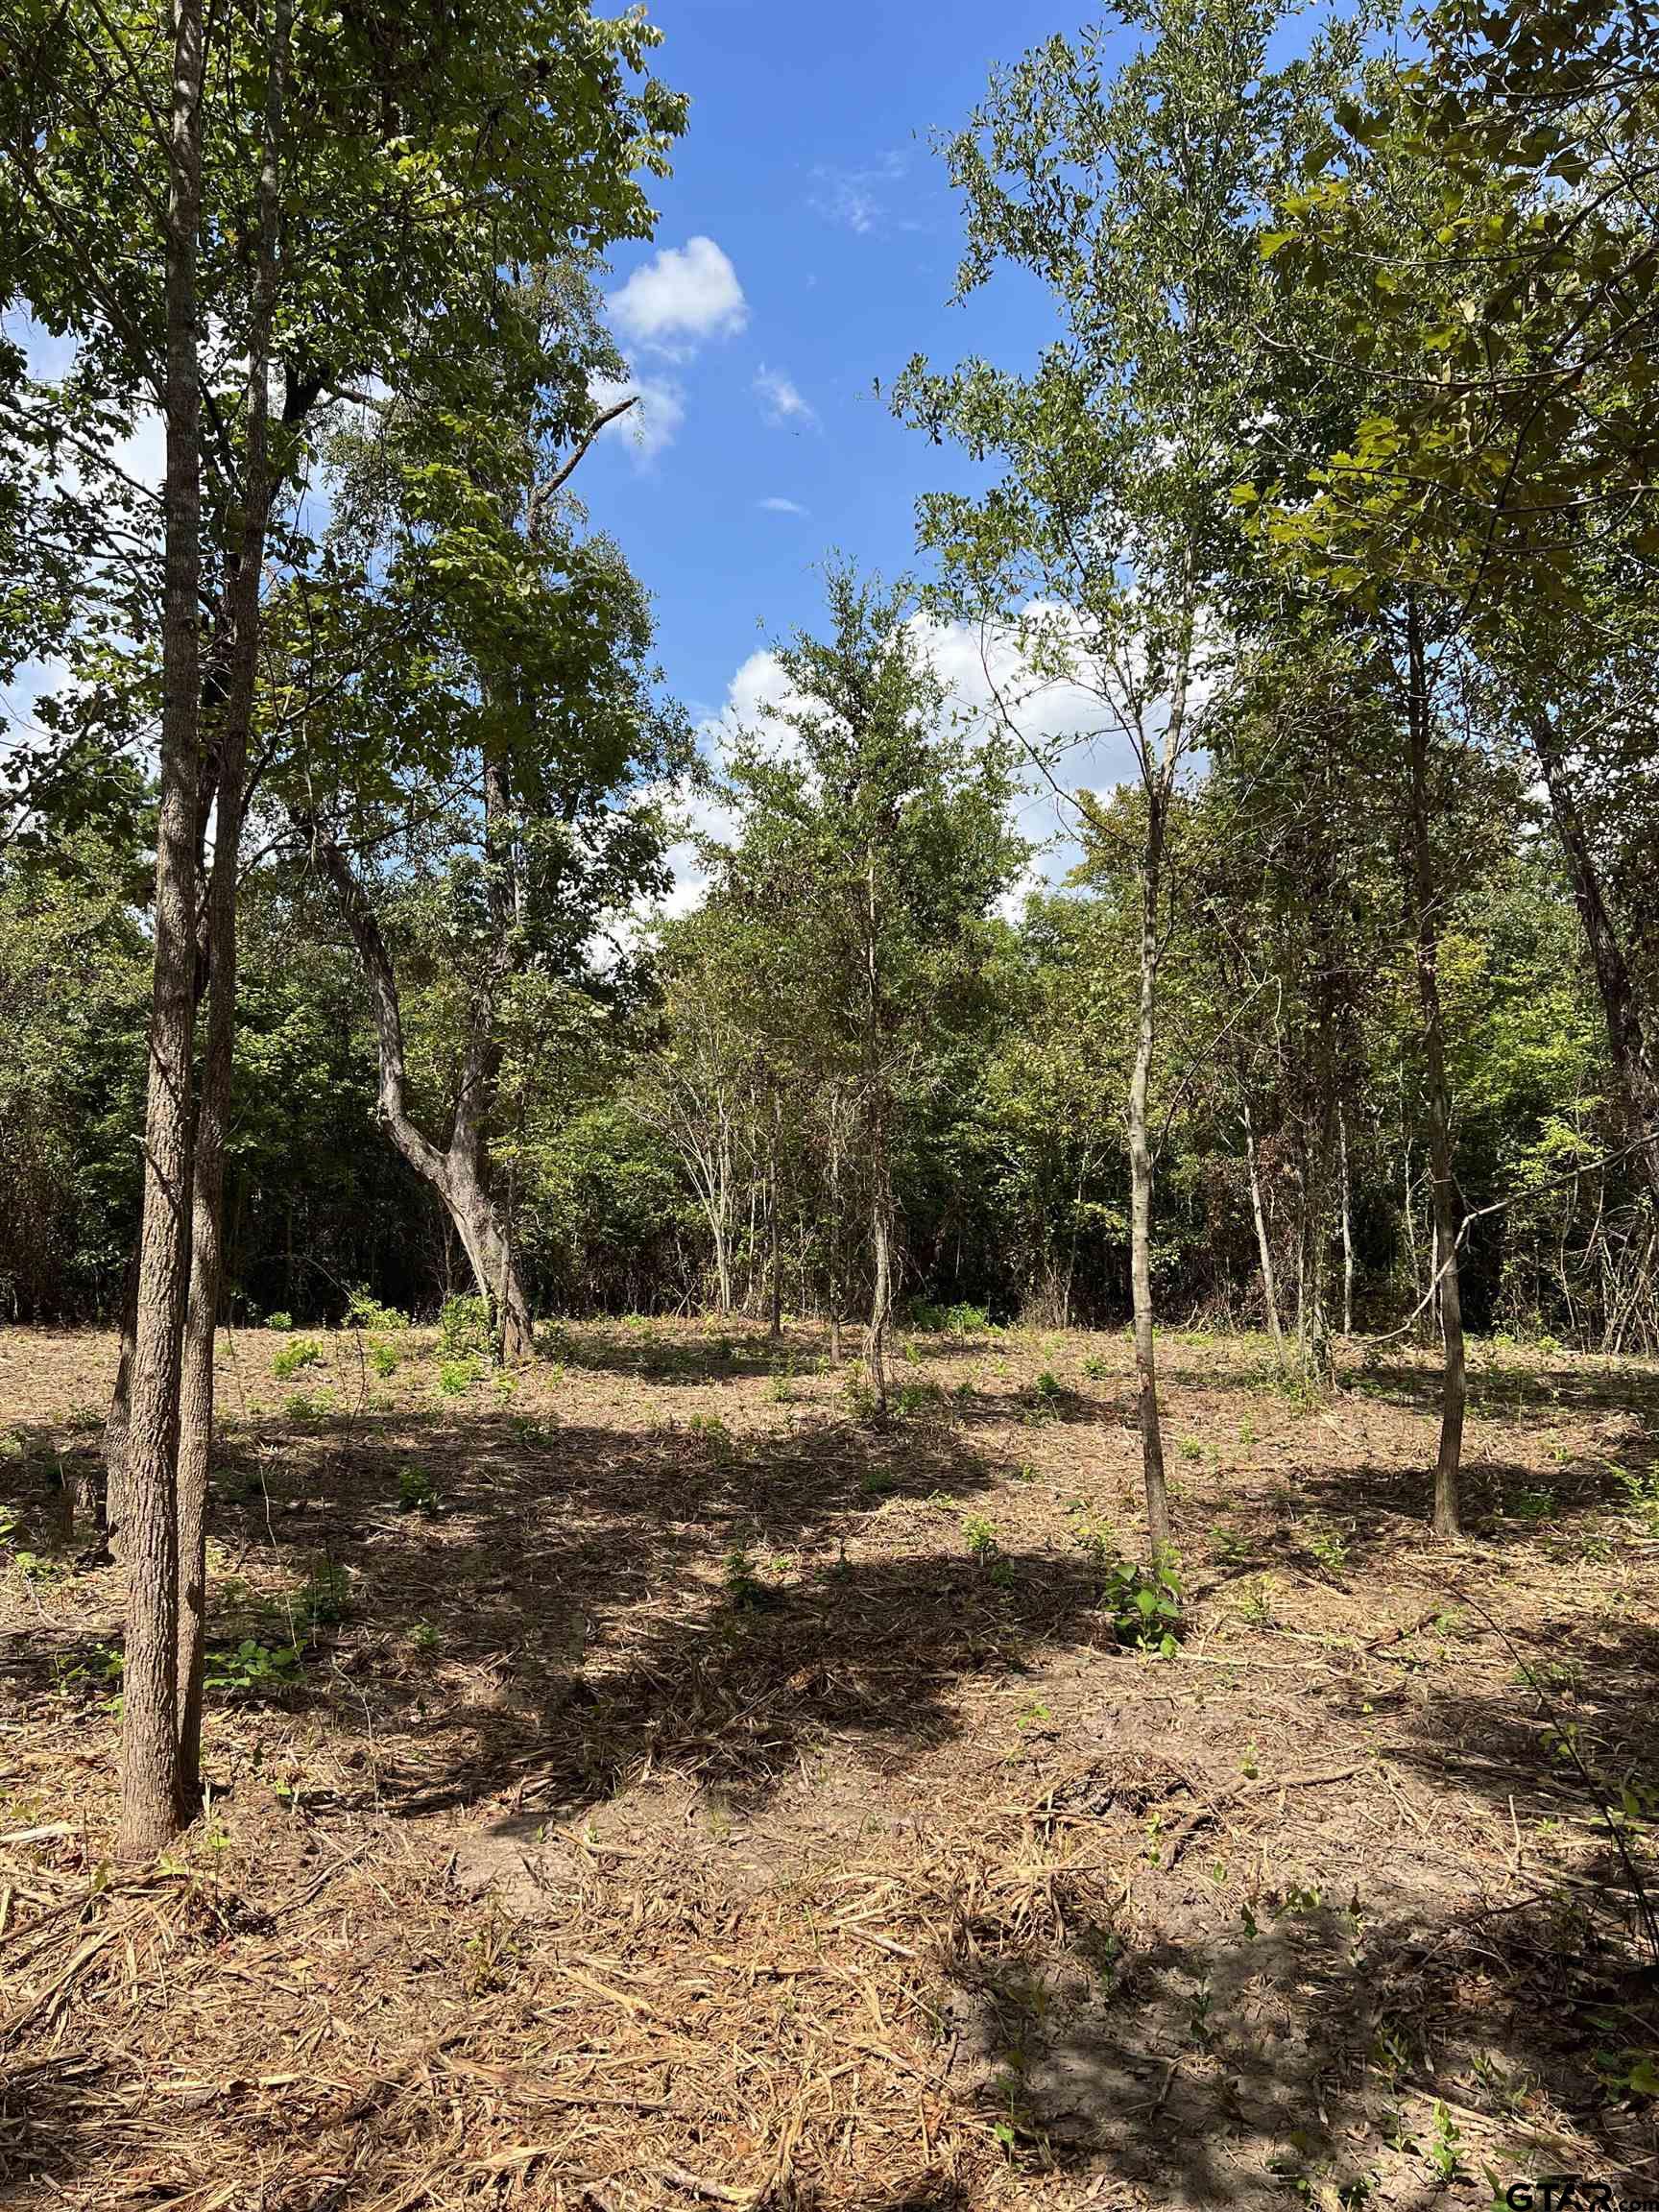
1105	544
873	843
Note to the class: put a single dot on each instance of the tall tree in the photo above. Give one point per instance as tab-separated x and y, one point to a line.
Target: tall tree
1105	541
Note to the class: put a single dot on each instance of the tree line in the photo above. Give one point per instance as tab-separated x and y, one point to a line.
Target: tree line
1330	489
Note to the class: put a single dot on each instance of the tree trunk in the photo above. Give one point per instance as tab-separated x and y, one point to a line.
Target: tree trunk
1141	1192
149	1807
213	1108
774	1263
111	1514
457	1173
1263	1247
882	1271
1453	1384
836	1245
1620	1006
1347	1222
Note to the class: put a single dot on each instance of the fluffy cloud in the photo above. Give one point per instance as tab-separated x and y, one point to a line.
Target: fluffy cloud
781	402
681	297
778	506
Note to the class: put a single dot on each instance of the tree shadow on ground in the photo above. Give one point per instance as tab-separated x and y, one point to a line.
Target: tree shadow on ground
1354	2039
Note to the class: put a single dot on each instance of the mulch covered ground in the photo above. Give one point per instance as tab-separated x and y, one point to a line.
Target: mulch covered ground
685	1793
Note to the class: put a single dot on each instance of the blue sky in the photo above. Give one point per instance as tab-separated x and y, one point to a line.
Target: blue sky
828	244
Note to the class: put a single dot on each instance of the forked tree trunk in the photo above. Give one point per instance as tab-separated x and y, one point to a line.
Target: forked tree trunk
458	1173
213	1107
149	1807
1264	1244
1453	1389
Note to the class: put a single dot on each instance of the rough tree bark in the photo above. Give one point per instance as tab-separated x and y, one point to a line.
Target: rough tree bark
1425	900
149	1807
213	1102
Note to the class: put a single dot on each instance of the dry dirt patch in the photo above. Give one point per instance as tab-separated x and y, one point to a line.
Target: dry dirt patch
645	1785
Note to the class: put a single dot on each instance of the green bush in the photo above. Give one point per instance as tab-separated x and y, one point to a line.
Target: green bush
464	1325
288	1359
365	1311
929	1320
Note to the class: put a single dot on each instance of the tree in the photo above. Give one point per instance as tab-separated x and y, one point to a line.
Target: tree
1106	541
473	761
410	167
873	842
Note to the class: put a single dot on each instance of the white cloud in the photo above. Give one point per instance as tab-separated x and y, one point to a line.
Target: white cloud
779	506
651	422
683	295
781	402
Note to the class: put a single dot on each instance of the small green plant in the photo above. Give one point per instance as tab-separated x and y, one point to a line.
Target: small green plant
463	1326
456	1377
877	1481
1046	1394
279	1321
383	1359
1144	1604
1444	2145
714	1432
425	1641
98	1671
251	1669
1250	1765
418	1491
1227	1548
326	1595
1256	1602
981	1535
1247	1430
948	1320
1536	1503
1192	1448
288	1359
746	1587
1096	1367
1640	1488
1330	1549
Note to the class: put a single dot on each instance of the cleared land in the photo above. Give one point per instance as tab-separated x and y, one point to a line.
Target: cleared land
685	1794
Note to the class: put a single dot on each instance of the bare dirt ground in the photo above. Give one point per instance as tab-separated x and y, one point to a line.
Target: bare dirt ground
638	1783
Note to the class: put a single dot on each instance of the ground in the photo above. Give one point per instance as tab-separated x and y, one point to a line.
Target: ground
641	1781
